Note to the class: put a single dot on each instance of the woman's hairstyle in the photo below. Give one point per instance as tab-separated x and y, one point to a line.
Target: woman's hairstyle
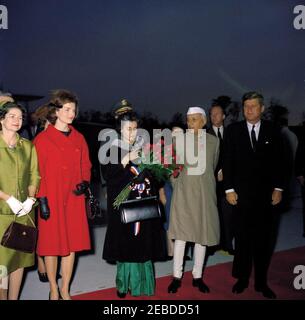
58	99
6	107
124	112
45	113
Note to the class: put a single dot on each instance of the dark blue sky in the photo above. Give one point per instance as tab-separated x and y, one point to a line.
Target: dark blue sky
161	55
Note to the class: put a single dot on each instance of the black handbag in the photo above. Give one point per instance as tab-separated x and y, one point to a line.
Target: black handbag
140	209
92	206
20	237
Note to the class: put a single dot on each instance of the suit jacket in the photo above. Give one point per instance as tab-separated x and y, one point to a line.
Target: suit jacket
300	157
253	175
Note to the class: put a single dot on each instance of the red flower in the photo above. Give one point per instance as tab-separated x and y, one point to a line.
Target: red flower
176	173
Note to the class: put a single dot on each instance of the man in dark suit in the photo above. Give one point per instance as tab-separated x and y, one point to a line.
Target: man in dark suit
225	210
253	181
300	171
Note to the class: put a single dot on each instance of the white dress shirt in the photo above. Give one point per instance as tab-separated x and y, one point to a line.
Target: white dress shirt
216	131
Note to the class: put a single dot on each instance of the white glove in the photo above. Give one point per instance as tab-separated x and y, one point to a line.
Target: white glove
21	213
27	205
14	204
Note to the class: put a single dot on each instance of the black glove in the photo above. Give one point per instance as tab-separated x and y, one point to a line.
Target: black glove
142	176
44	208
81	188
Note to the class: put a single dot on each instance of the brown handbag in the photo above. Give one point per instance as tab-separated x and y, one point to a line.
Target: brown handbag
20	237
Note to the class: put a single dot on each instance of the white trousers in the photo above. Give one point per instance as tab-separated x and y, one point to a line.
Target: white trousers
199	255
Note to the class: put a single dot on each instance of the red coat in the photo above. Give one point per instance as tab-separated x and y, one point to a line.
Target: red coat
63	163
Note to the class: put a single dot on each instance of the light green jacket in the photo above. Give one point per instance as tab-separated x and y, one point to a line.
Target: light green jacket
18	171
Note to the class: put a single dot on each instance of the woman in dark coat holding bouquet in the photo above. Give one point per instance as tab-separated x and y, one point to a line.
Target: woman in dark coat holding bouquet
132	246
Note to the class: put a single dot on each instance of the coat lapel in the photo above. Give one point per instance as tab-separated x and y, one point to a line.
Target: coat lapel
245	134
262	134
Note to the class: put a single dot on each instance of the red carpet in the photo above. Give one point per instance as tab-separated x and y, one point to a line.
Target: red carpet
220	281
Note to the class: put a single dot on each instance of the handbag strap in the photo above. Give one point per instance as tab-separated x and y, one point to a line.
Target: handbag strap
90	193
28	217
31	220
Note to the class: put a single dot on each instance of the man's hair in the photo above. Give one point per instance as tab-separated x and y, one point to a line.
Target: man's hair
216	105
253	95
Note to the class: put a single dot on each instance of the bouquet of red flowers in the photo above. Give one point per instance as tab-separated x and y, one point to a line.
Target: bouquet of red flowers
159	160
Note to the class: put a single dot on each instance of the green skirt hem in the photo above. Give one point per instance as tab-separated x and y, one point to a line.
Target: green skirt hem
137	278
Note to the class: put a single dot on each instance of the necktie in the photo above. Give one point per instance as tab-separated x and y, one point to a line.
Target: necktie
253	138
219	134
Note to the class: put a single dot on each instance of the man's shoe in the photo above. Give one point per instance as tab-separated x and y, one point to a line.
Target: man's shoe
198	283
266	291
240	286
174	285
121	295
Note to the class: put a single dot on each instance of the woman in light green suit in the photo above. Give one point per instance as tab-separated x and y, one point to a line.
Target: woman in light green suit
19	179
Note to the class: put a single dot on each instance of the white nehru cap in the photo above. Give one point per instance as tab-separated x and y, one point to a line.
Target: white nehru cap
194	110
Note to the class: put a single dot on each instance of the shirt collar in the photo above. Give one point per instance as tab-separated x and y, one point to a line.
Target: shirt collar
216	128
257	125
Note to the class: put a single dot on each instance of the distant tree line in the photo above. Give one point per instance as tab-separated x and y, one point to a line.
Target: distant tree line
275	112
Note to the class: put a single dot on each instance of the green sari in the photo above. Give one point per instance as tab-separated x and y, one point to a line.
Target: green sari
136	277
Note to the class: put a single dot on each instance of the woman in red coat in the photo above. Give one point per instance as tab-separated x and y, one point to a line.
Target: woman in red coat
65	171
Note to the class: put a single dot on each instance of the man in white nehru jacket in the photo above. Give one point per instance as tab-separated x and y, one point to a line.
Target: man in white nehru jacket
194	215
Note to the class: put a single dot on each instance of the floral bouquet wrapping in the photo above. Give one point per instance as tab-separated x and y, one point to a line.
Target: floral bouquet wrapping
159	160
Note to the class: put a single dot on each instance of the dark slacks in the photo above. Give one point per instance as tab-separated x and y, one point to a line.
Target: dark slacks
303	209
253	242
226	219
